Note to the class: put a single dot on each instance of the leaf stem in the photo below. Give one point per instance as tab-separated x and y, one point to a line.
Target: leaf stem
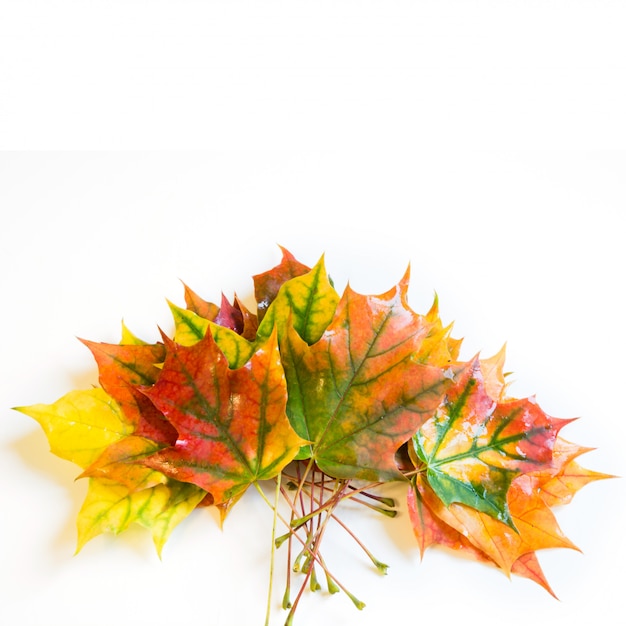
380	566
310	555
389	502
273	548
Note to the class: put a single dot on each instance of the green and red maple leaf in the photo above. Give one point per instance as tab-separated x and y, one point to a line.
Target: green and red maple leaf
350	389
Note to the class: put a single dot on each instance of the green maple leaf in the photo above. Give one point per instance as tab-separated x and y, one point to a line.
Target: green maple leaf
473	447
360	392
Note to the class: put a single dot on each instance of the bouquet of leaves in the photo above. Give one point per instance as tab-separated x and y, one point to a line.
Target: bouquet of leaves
315	399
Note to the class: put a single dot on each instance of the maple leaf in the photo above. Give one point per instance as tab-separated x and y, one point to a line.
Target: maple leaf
87	426
268	284
231	423
108	431
189	327
473	447
306	303
359	392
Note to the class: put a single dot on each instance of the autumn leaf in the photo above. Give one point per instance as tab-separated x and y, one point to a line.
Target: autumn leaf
473	447
431	530
359	393
232	427
562	488
306	303
534	519
86	426
189	327
233	316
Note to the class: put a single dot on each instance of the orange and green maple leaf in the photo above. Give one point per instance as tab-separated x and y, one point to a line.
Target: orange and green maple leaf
473	447
231	423
488	471
359	392
483	538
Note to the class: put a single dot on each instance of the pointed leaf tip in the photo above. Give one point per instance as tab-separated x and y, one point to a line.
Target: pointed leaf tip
81	424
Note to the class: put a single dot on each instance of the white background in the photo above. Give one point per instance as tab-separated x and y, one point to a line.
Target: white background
481	142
